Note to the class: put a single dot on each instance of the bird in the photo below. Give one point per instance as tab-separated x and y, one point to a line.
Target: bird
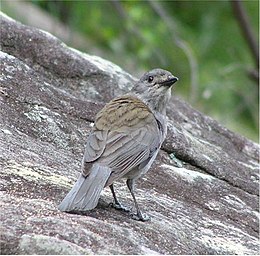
123	143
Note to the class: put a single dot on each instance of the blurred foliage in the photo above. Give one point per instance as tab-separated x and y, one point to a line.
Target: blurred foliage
137	37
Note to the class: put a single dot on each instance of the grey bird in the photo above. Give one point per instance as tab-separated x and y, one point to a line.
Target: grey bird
123	143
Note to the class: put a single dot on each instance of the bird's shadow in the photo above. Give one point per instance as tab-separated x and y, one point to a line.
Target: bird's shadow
103	211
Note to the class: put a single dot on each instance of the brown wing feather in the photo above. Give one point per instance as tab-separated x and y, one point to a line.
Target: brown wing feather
120	112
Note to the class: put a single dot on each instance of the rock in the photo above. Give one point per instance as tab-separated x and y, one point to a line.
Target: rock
40	244
50	94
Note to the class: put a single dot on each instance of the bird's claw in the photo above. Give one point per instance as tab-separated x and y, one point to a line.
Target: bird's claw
141	217
119	207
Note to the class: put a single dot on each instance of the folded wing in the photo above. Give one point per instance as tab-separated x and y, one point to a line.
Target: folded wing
125	135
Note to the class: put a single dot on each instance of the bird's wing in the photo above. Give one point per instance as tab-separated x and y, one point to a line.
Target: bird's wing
128	150
95	145
125	134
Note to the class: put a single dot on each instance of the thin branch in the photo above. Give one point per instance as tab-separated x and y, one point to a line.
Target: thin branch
134	30
246	28
158	8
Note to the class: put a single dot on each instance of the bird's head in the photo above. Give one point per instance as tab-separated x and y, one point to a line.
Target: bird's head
154	87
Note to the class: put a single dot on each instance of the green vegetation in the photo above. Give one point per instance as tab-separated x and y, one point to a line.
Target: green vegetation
199	41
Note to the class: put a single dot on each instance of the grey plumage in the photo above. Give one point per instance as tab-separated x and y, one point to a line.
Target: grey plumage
126	137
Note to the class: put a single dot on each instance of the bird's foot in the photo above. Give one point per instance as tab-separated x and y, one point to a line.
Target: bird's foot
140	217
119	207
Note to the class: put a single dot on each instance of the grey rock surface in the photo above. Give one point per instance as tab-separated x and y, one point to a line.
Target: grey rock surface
49	95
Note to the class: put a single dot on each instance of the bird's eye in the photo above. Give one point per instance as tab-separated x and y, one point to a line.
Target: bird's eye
150	79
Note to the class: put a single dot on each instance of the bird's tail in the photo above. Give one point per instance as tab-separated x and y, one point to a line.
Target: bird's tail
86	191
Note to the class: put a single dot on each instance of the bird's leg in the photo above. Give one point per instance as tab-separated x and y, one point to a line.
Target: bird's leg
117	205
139	215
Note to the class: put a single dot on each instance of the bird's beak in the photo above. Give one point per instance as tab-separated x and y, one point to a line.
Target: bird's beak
170	81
